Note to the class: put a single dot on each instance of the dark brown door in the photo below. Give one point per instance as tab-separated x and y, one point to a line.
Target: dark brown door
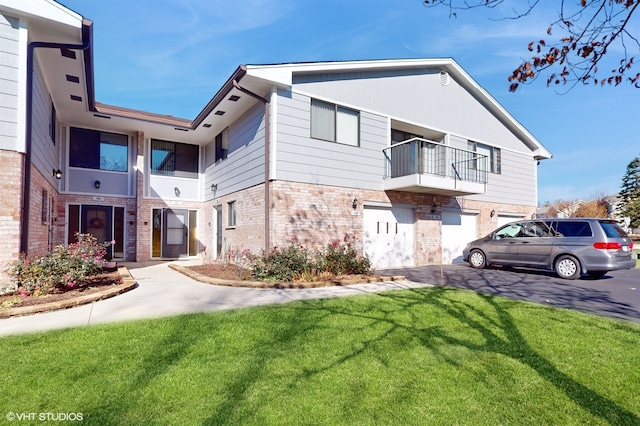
176	233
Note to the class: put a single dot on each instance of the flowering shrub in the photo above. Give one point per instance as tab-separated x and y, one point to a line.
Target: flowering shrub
64	267
342	259
296	262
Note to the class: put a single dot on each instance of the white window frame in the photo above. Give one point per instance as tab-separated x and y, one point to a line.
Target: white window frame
334	123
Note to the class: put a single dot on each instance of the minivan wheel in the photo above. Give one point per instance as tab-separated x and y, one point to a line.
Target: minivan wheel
568	267
477	259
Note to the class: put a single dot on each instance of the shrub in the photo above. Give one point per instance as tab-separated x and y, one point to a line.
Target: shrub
295	262
281	264
342	259
64	267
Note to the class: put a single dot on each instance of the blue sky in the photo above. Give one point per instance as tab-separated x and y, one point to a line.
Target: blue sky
171	57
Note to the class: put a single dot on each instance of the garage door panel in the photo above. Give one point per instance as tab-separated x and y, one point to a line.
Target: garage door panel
388	236
458	229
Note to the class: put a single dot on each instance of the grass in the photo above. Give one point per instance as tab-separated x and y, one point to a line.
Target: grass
432	356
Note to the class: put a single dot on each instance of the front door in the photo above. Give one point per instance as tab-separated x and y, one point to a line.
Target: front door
97	221
176	233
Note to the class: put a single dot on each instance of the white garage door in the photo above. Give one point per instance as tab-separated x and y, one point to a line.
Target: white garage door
457	230
388	236
503	220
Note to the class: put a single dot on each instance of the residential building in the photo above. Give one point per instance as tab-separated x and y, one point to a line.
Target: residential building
411	159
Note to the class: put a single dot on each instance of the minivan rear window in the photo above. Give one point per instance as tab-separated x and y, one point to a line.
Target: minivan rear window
573	228
612	229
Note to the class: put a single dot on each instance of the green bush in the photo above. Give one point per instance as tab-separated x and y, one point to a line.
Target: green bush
296	262
342	259
64	267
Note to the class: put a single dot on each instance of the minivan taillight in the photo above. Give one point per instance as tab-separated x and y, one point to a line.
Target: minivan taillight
608	246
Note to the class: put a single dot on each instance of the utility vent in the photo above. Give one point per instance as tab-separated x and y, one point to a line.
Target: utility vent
444	78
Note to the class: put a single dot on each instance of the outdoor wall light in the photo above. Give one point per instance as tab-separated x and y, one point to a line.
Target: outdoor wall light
96	184
434	208
493	213
214	187
354	204
176	190
57	173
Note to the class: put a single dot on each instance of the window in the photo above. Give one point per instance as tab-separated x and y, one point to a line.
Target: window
494	157
334	123
231	213
174	159
222	145
44	216
91	149
573	229
54	124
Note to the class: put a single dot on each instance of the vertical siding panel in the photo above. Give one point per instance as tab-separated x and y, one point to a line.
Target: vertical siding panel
9	86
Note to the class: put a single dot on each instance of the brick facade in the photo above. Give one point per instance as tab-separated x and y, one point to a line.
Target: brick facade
12	166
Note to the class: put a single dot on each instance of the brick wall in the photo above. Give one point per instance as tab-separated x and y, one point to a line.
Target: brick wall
11	164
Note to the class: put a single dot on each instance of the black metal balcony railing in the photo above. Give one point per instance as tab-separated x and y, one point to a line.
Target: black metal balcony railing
421	156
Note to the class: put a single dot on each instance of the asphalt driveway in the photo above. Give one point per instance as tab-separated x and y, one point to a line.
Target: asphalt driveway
617	295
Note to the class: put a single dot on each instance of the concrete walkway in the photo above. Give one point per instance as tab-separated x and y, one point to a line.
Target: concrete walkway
164	292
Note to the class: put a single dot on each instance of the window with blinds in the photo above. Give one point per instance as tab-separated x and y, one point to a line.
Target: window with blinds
334	123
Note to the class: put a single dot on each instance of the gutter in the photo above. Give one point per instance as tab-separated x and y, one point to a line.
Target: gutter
87	32
267	186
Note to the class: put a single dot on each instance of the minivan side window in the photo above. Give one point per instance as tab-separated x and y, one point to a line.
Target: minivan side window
573	228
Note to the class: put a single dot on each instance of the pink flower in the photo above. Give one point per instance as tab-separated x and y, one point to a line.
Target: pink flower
335	244
70	284
113	242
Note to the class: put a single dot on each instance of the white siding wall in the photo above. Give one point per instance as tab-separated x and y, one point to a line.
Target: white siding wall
9	82
419	97
45	155
244	165
303	159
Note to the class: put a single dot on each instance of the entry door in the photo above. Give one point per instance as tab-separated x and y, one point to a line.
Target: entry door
176	233
97	221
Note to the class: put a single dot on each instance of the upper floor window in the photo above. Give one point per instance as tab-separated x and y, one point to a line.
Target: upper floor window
334	123
174	159
222	145
494	157
54	124
91	149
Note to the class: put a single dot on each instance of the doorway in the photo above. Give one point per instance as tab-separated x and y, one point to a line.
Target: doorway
174	233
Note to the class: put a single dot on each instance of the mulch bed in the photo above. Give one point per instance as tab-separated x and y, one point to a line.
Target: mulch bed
95	284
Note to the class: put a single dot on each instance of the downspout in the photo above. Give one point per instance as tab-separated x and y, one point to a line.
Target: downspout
31	47
267	188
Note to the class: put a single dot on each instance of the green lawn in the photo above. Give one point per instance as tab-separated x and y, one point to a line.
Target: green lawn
432	356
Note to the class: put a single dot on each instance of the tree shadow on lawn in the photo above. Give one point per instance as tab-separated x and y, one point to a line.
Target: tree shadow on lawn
390	314
511	344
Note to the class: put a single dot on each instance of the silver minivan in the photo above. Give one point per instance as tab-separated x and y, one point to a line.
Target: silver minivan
571	247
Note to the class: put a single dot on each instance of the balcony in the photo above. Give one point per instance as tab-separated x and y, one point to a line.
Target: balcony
420	165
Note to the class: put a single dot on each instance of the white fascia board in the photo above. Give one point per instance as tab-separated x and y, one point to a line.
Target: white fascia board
47	10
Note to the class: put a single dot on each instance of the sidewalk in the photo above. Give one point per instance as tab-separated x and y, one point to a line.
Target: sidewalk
164	292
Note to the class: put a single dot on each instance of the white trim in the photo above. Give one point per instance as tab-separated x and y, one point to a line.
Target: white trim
273	133
21	102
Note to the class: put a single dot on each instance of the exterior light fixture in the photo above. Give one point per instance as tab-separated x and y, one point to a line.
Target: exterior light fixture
493	213
354	204
214	187
176	190
96	184
57	173
434	208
